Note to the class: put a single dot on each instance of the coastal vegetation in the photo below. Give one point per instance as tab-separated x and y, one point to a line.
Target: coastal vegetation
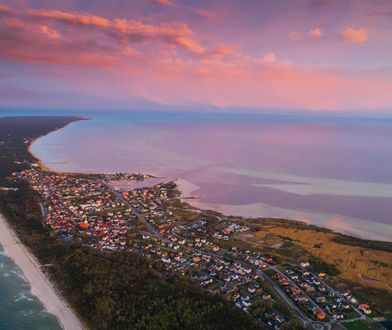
108	290
322	266
362	266
118	290
345	262
354	241
345	259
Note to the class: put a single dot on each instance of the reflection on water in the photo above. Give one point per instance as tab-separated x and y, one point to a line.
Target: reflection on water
332	172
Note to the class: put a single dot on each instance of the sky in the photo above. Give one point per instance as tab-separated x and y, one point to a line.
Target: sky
228	55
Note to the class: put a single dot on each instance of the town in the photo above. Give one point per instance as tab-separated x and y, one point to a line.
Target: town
153	221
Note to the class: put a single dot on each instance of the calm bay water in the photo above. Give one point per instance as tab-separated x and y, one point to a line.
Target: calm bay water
334	173
18	308
331	172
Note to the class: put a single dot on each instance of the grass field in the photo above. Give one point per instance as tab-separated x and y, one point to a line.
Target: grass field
356	325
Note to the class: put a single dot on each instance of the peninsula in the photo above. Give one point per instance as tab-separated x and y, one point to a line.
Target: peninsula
144	257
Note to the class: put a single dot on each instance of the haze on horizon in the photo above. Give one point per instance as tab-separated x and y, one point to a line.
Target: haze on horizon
318	55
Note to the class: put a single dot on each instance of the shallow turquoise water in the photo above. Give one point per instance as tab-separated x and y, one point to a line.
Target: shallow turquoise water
19	309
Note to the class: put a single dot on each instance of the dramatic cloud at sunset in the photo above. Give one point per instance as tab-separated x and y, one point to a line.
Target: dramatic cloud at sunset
355	35
302	55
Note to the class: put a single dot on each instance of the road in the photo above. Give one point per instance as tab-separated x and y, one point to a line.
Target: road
278	291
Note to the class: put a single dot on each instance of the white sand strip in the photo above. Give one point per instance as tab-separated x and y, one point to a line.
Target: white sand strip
41	287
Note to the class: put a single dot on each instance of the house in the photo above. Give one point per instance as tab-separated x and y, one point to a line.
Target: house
266	296
320	299
320	314
322	288
295	278
251	289
365	308
310	289
295	290
246	303
166	260
238	304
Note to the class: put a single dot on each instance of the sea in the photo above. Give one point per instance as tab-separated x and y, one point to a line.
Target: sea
19	309
331	171
334	172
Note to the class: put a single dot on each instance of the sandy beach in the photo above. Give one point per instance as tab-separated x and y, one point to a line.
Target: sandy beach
43	167
41	287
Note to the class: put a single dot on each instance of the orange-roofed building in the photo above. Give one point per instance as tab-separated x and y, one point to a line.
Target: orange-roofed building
83	225
320	314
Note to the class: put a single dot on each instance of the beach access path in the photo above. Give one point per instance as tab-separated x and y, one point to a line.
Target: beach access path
41	287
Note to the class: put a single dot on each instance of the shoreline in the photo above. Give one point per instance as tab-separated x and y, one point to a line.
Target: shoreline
42	166
319	220
183	191
40	285
187	190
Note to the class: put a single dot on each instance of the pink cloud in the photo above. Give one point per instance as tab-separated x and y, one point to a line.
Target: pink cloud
269	58
4	9
203	13
294	36
221	52
52	33
355	35
118	30
254	84
174	62
74	18
167	3
130	27
316	33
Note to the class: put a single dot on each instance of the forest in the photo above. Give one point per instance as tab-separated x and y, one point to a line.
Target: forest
108	290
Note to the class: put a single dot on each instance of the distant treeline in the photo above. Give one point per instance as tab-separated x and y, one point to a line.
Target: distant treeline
339	238
108	290
15	132
354	241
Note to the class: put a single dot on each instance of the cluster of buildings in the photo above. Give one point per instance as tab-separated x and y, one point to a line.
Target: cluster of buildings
227	230
351	299
84	205
142	220
205	228
313	296
239	282
126	176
